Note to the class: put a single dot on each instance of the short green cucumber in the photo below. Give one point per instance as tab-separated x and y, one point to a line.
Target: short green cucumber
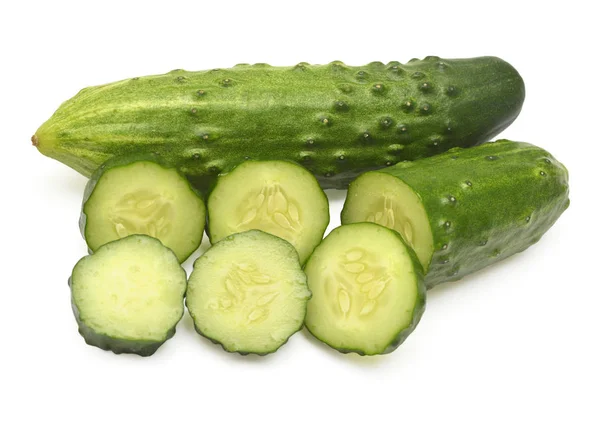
467	208
135	194
278	197
336	120
368	290
248	293
128	296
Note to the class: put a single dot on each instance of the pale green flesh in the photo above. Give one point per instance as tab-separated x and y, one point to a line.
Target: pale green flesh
130	289
364	289
385	200
248	293
277	197
145	198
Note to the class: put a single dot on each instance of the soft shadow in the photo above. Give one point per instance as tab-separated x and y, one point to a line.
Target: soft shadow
478	276
64	178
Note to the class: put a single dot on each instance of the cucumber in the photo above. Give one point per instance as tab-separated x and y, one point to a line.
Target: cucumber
248	293
368	290
334	119
128	296
467	208
139	195
278	197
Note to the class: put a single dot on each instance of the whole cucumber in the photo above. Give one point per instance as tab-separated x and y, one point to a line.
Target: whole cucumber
336	120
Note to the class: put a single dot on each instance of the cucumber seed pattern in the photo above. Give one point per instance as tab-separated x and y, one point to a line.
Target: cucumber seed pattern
357	284
142	212
393	219
247	292
270	209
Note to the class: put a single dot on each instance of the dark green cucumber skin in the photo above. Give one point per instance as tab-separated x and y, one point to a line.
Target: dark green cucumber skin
336	120
418	310
485	203
116	345
115	162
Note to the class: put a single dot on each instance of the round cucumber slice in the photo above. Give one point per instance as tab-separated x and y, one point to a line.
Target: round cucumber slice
127	297
248	293
278	197
131	196
368	290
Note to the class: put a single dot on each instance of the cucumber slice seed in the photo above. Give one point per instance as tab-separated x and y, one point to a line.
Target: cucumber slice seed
143	197
128	295
248	293
278	197
368	290
385	200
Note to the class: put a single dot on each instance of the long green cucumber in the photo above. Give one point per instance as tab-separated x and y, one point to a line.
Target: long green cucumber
467	208
334	119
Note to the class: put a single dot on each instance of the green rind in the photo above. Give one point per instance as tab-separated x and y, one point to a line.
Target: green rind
506	195
418	310
334	119
114	344
215	341
123	161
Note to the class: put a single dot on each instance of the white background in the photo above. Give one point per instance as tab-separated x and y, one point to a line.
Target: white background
517	341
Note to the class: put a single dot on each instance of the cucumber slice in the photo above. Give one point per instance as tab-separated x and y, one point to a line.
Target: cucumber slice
128	296
248	293
138	196
465	209
278	197
368	290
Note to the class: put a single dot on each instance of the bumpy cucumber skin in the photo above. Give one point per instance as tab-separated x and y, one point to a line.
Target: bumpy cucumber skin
417	313
241	351
123	161
336	120
485	203
117	345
